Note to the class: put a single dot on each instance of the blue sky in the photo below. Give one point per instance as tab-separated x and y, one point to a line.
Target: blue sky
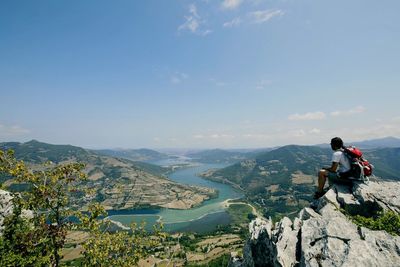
198	74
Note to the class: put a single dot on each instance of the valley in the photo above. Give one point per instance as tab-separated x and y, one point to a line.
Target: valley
116	183
204	205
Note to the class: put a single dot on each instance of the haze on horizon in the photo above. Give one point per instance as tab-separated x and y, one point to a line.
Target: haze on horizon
198	74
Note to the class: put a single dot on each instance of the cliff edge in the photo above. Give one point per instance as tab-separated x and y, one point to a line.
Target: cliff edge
323	235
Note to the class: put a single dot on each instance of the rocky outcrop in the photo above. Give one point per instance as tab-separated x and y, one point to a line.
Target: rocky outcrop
324	236
6	208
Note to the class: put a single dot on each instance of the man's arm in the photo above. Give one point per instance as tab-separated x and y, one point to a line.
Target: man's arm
333	168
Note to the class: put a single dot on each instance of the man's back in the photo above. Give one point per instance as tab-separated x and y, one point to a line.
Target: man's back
344	162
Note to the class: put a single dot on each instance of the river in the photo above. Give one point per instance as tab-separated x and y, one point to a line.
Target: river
203	218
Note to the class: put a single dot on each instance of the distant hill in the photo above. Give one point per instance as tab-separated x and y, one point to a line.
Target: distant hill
219	156
386	142
38	152
119	183
389	142
283	180
133	154
386	162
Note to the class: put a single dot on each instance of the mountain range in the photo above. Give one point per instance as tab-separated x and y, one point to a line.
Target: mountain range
236	155
118	183
143	154
280	180
283	180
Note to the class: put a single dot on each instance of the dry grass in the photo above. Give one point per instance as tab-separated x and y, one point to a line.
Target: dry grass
220	240
273	188
301	178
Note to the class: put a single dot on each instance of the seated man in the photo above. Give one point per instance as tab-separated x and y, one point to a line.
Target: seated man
339	159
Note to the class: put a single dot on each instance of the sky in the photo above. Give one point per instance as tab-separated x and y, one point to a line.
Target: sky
198	74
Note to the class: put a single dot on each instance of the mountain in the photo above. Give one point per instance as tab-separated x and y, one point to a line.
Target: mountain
280	181
389	142
38	152
283	180
118	183
275	167
386	162
379	143
133	154
218	156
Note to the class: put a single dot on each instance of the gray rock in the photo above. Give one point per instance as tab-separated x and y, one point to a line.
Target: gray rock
381	195
307	213
329	197
286	239
327	237
6	208
345	196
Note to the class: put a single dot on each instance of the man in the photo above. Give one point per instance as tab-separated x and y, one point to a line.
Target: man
339	159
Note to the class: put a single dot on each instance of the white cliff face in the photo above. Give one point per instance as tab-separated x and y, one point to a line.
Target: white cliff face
324	236
7	208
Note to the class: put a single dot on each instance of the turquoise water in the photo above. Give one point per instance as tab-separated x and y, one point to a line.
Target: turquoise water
209	214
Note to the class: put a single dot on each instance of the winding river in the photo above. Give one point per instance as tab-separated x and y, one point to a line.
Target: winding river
203	218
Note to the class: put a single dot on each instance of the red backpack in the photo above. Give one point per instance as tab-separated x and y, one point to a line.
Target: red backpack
360	167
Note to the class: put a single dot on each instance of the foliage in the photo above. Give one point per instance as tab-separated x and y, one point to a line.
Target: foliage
240	213
115	249
37	239
48	200
387	221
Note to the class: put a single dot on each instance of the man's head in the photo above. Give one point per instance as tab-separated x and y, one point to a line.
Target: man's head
336	143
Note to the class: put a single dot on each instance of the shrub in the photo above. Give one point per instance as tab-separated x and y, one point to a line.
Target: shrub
387	221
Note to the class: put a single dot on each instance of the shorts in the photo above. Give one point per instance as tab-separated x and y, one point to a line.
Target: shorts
334	178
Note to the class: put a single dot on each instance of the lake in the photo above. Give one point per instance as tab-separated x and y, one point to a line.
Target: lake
203	218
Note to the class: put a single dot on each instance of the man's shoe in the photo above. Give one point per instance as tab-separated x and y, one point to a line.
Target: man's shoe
318	194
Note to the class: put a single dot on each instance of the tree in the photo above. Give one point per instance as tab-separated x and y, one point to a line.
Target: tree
38	239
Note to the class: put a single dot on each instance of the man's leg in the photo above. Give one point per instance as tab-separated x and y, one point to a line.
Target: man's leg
322	180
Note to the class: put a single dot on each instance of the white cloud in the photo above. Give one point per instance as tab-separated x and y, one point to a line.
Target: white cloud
193	10
205	32
12	130
178	77
213	136
262	84
231	4
315	131
233	23
198	136
261	16
191	24
194	22
396	119
257	136
309	116
299	133
255	17
356	110
221	136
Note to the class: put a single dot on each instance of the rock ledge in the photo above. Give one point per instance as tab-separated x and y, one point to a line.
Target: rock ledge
324	236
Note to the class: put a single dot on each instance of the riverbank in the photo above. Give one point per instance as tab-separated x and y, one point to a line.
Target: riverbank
227	203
